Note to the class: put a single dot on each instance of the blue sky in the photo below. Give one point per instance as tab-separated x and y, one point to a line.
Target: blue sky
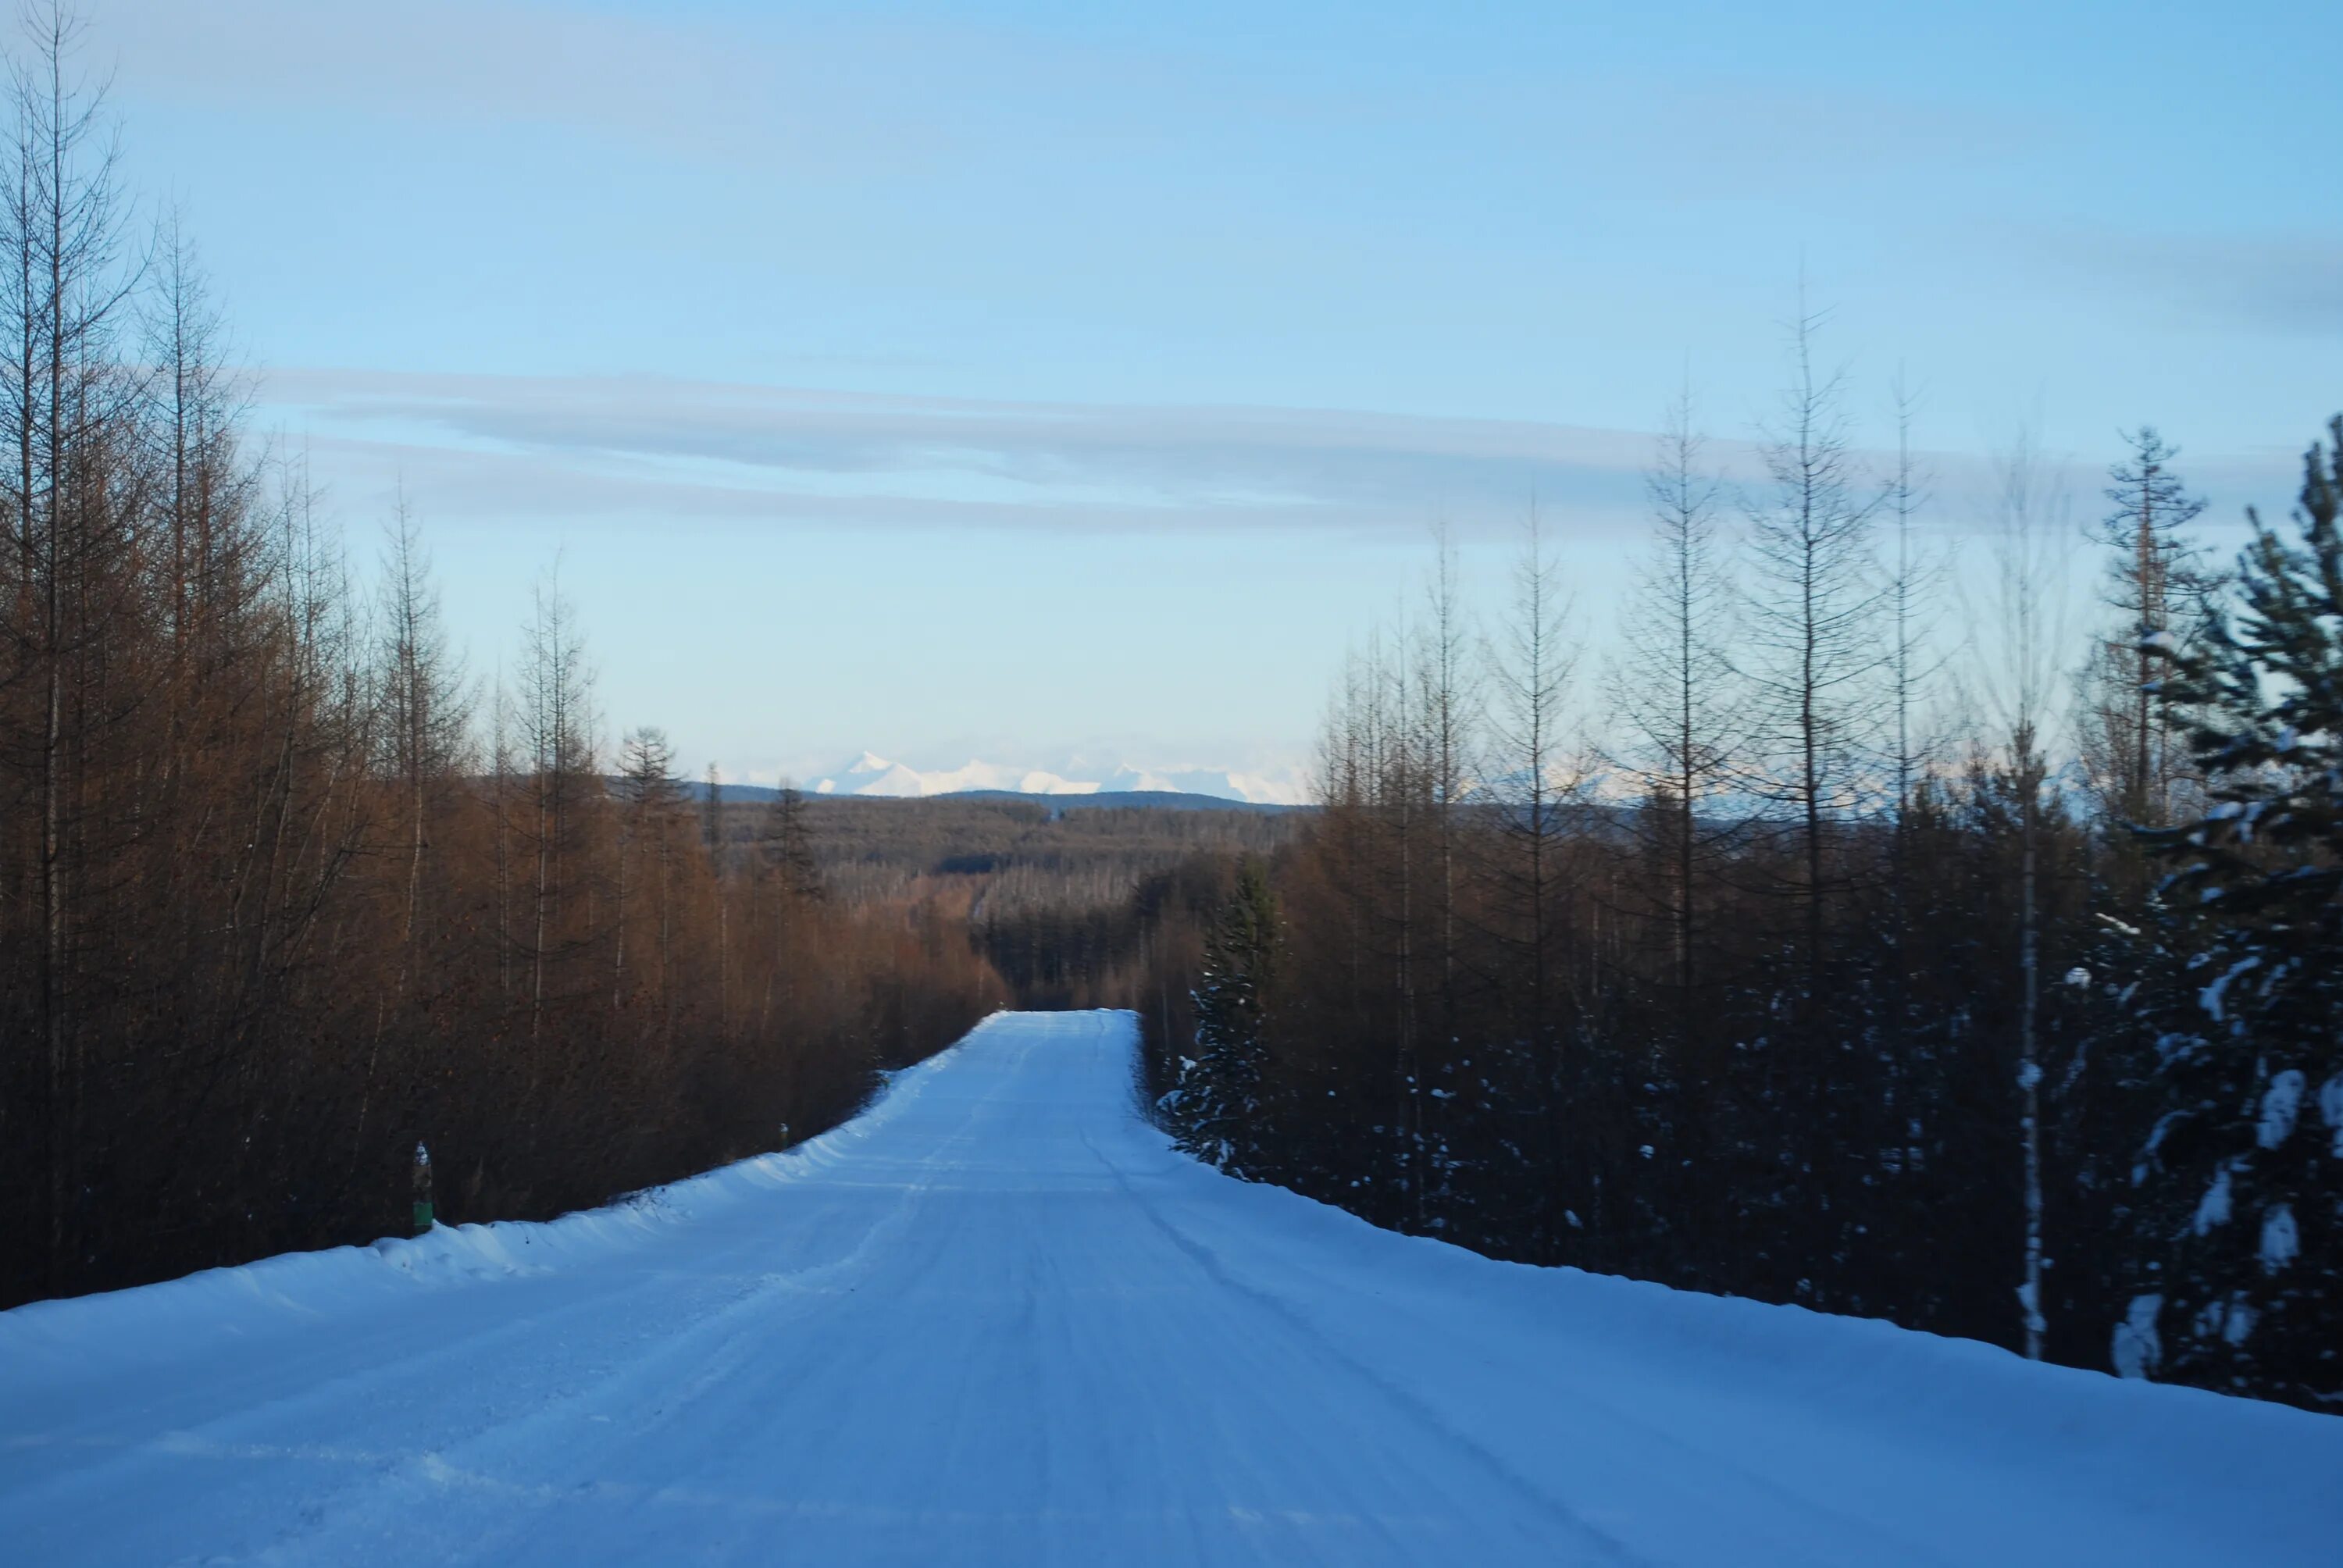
1029	379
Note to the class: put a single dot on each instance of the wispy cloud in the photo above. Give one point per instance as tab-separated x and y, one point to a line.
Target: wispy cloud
642	447
846	91
651	450
2287	283
439	60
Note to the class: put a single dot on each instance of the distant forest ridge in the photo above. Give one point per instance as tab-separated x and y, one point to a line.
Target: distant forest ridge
1156	800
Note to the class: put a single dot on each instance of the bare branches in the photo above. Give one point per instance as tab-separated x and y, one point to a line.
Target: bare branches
1915	582
1812	651
1672	686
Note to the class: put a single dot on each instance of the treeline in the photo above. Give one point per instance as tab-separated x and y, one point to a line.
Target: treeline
287	896
1076	925
1062	900
1989	990
1013	854
1060	952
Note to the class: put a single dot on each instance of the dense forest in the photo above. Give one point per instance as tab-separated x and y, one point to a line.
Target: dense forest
1984	983
1062	897
287	894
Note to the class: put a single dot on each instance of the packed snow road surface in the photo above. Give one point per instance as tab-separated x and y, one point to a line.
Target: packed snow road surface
996	1319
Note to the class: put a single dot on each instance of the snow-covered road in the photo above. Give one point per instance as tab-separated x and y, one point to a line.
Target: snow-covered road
996	1319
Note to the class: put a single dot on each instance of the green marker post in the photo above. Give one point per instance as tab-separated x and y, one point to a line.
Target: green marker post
422	1190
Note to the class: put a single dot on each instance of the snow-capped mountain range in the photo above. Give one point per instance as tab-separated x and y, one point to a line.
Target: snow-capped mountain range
870	774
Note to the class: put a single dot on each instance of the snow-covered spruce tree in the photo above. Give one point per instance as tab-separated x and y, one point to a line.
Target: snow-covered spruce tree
1210	1110
2242	1177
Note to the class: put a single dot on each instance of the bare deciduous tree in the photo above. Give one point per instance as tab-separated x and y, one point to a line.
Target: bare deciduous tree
1813	645
1674	688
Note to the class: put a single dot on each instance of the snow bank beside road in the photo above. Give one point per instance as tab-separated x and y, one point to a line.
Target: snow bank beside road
166	1320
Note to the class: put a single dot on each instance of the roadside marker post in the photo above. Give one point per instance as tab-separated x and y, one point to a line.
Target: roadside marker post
422	1190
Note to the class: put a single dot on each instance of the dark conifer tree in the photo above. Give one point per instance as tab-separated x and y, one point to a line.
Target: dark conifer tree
1214	1109
788	841
2157	586
2243	1168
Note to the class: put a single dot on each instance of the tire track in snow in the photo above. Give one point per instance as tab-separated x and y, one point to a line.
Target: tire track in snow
1418	1413
681	1363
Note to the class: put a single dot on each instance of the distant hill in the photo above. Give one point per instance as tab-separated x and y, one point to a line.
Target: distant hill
1160	799
871	774
695	789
